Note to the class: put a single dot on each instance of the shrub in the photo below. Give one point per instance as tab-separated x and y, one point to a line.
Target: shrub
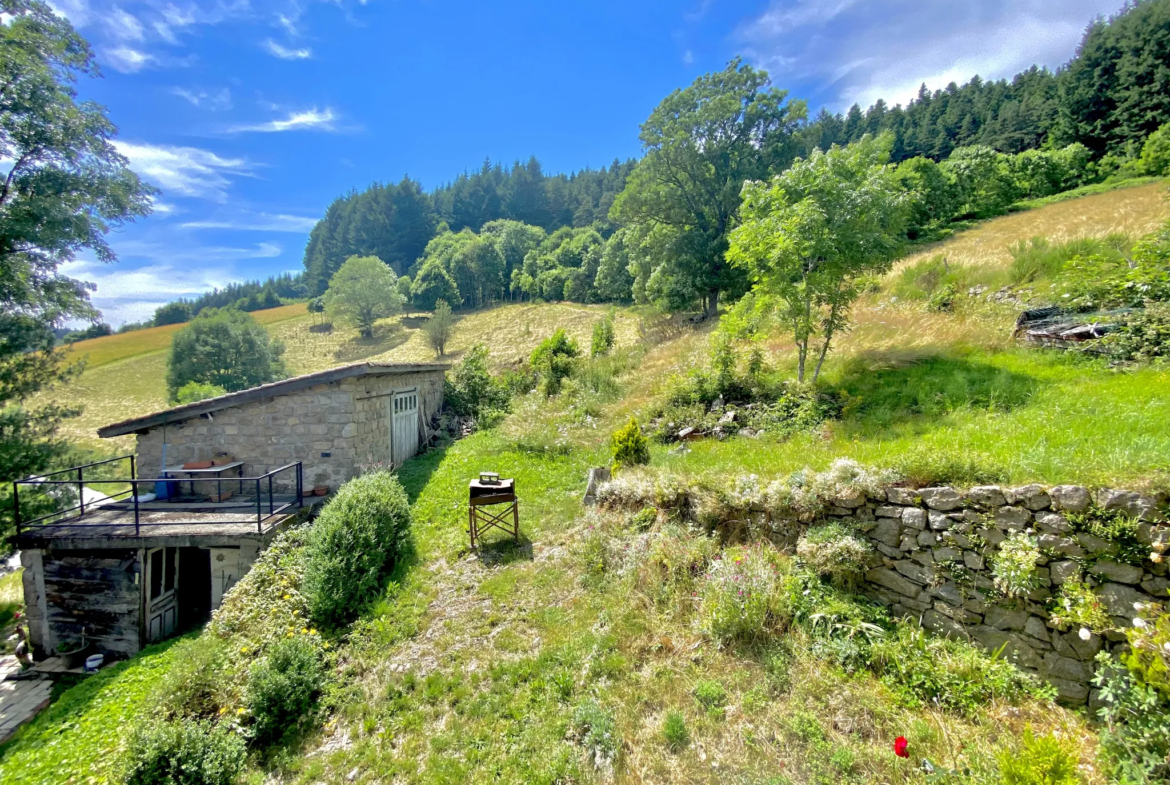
1135	737
832	551
439	326
842	627
225	348
593	727
358	535
603	337
943	298
710	694
553	360
183	753
629	446
1118	528
474	392
924	669
197	391
191	688
738	598
283	686
1148	657
1014	568
674	730
1114	281
1043	760
1077	605
1155	158
1039	259
1141	336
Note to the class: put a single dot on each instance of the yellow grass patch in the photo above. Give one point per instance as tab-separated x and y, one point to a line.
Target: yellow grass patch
1132	211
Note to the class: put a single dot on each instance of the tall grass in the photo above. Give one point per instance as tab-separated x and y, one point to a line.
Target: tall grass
1041	259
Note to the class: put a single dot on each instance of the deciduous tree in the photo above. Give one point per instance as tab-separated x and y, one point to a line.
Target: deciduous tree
363	291
226	348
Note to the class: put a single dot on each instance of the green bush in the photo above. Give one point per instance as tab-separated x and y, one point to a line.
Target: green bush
710	694
183	753
192	686
1135	733
283	686
361	532
832	551
1043	760
1077	605
1014	567
629	447
594	729
1142	336
674	730
603	337
1111	281
225	348
1039	259
943	298
197	391
473	392
738	597
1155	158
553	360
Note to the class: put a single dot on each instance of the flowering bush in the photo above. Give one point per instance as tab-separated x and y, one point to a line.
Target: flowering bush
1135	737
833	552
1076	605
1014	568
738	600
1148	657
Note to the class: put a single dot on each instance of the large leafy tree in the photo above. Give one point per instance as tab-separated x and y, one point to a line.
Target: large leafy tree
63	186
226	348
809	234
363	291
701	143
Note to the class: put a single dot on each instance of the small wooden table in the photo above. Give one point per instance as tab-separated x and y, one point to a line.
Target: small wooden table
483	494
212	473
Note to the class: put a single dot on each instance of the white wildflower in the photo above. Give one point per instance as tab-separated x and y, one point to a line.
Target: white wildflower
1085	634
1139	622
1137	606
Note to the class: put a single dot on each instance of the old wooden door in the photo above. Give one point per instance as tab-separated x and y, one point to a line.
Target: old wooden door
403	426
162	580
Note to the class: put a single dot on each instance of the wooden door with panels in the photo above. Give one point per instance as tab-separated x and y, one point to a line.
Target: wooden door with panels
403	425
162	581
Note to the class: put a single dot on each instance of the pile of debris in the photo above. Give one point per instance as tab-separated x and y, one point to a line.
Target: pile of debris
1061	328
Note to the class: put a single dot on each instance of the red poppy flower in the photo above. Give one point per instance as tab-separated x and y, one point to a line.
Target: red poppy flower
900	747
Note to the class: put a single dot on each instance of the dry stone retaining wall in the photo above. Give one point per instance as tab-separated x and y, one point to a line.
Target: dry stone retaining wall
936	546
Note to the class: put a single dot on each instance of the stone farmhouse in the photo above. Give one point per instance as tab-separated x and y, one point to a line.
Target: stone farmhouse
148	544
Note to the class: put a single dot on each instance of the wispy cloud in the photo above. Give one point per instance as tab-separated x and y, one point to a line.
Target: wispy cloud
122	25
127	59
309	120
212	101
184	171
284	52
861	51
259	222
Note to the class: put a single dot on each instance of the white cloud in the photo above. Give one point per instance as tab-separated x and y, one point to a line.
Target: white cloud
122	25
862	51
284	52
309	120
212	101
259	222
127	59
184	171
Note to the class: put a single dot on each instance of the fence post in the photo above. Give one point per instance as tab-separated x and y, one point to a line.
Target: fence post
16	505
300	488
134	493
270	493
80	493
133	469
259	524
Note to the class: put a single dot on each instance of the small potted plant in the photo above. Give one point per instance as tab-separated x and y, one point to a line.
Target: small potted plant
74	652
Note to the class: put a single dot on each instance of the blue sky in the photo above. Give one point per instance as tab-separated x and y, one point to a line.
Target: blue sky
253	115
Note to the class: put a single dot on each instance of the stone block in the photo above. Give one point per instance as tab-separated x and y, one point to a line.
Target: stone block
907	543
1119	573
904	496
888	511
923	576
942	498
1070	498
956	538
1156	586
939	521
1064	546
1036	628
993	536
1130	502
1062	571
887	531
1012	518
1094	544
1052	523
943	625
1118	599
973	560
914	518
1032	497
1069	693
886	550
945	554
850	499
1067	668
923	557
1084	649
948	592
959	614
1154	536
892	581
1002	618
1015	649
987	496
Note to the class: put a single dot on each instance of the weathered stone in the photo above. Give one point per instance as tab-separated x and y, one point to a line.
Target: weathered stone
887	531
1051	522
926	539
993	536
943	625
1033	497
973	560
851	499
1118	599
1070	498
1014	518
914	518
1067	668
959	614
939	521
908	542
945	554
948	592
1036	628
923	557
906	496
1128	502
1062	545
1156	586
893	553
1154	536
888	511
1002	618
892	581
942	498
987	496
1014	648
1063	571
1094	544
1085	649
915	572
1120	573
1069	693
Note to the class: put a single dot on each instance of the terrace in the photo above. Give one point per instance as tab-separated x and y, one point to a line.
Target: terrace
104	501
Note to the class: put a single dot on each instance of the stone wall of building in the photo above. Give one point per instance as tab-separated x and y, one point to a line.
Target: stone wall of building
935	548
333	429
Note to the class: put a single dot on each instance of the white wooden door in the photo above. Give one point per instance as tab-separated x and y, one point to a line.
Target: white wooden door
162	583
403	426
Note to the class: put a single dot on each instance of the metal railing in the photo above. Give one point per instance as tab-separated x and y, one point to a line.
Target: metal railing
267	495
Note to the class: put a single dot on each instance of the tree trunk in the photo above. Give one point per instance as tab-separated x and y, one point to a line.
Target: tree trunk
712	305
